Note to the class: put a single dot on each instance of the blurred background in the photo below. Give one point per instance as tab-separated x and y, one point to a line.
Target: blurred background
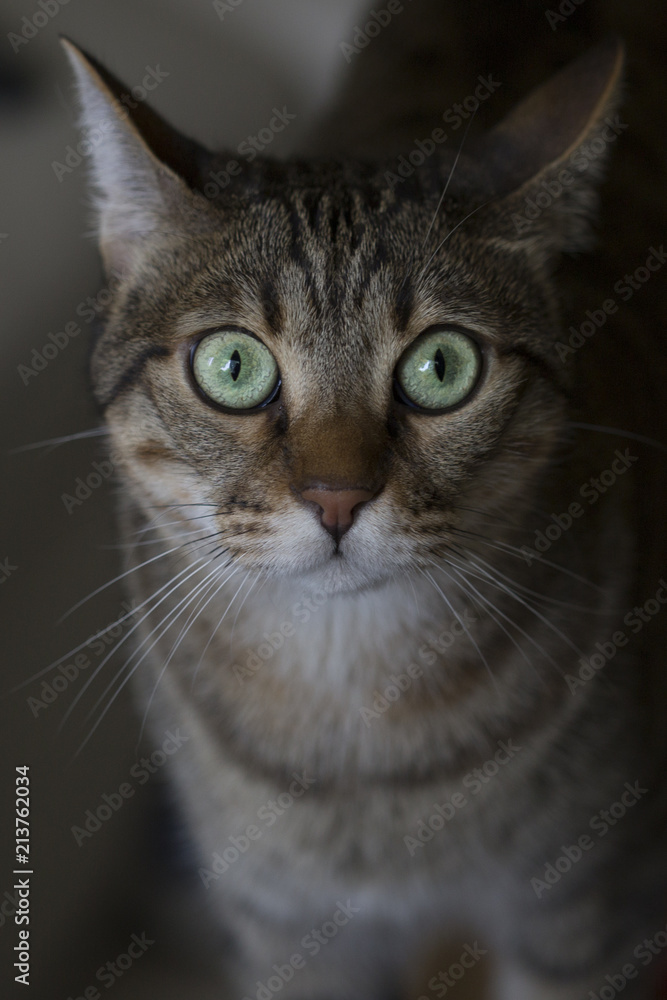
221	68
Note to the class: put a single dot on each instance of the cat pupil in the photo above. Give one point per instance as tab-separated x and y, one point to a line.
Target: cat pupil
234	365
439	360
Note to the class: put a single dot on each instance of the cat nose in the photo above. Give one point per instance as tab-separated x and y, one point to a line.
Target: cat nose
337	506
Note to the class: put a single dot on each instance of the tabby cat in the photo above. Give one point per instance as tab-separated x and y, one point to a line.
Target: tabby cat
373	591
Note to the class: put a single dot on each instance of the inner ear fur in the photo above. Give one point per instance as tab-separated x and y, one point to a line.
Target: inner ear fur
545	129
168	146
144	171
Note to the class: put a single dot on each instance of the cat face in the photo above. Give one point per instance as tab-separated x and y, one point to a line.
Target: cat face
328	293
334	375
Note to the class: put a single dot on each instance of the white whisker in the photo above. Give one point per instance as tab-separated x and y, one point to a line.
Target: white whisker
451	233
171	617
54	442
212	636
463	626
127	635
487	601
615	430
208	597
451	174
534	611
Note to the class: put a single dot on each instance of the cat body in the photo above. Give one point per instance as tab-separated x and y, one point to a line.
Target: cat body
382	740
372	795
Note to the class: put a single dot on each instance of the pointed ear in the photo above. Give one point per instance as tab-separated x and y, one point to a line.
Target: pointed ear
143	170
545	159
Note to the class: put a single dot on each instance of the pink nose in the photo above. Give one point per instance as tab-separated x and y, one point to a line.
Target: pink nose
337	506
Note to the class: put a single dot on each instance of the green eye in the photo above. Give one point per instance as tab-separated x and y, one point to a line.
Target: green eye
439	369
235	370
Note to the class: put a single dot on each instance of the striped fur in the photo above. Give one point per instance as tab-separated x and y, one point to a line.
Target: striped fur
337	269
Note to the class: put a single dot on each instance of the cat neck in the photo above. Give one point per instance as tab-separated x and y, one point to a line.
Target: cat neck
390	684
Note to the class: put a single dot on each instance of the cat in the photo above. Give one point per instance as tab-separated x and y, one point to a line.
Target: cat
375	598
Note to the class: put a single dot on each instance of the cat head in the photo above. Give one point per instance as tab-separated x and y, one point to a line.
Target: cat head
336	371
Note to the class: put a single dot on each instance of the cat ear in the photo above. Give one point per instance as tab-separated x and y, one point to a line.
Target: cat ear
545	159
143	170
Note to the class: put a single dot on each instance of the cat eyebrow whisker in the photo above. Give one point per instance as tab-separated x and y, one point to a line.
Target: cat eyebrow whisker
451	174
451	233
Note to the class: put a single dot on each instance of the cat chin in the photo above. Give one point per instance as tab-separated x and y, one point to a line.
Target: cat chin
362	564
339	576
